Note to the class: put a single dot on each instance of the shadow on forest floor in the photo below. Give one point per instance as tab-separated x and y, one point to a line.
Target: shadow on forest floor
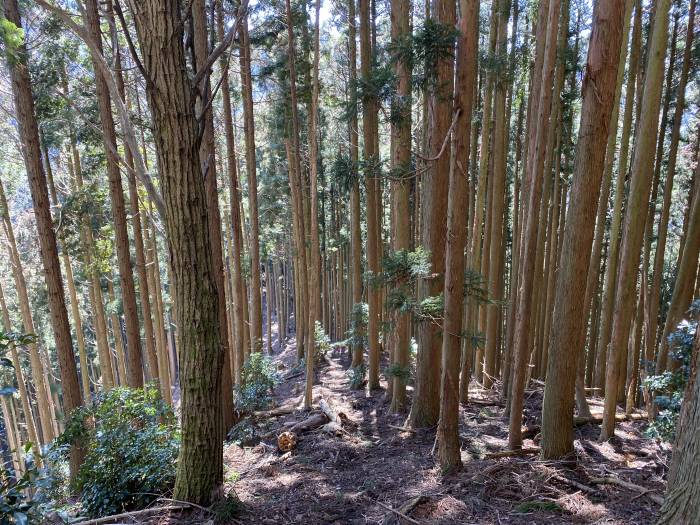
357	475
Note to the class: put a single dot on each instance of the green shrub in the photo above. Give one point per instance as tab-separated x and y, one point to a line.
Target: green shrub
258	378
131	443
16	505
667	388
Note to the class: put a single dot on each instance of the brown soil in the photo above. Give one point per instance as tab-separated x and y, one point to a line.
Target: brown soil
357	476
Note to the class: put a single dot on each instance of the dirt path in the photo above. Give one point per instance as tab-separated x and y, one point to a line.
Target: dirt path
356	476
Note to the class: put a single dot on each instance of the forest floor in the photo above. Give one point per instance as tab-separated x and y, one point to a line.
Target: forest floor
358	474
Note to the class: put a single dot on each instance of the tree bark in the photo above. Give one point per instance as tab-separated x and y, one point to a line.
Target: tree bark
448	426
170	94
640	187
29	137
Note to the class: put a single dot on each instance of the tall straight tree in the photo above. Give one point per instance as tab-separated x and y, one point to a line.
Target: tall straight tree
160	30
370	133
134	369
635	214
29	138
467	46
207	159
401	130
534	176
355	212
425	409
497	189
568	324
251	168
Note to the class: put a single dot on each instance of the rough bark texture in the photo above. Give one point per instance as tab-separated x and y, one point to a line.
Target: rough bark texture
401	136
448	426
170	95
682	503
371	158
568	324
207	156
29	137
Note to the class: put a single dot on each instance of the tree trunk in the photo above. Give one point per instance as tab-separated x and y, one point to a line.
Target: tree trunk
640	187
371	160
29	137
448	426
175	129
121	236
534	175
401	165
682	502
250	162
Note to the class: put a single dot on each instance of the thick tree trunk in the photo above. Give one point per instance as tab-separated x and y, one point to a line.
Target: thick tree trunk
682	503
568	323
175	129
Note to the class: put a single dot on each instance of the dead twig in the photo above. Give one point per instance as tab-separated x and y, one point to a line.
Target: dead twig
398	513
613	480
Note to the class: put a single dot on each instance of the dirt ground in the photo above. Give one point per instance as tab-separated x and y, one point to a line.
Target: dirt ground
357	475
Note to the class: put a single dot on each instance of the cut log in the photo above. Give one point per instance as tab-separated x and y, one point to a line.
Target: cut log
643	491
286	441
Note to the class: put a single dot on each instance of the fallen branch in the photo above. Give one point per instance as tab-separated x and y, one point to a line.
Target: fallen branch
398	513
612	480
510	453
579	421
275	412
135	514
576	484
402	429
404	509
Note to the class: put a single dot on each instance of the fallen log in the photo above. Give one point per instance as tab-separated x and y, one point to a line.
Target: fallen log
331	414
579	421
510	453
311	422
643	491
275	412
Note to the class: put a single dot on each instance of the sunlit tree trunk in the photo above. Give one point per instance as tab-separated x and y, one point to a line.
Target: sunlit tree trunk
29	137
635	215
448	426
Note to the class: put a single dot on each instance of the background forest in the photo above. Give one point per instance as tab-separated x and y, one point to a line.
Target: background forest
349	262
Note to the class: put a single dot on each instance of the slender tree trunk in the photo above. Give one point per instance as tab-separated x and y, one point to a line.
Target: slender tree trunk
251	168
355	229
614	243
650	337
448	426
39	372
371	161
401	163
121	240
498	181
640	186
534	175
29	137
21	385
